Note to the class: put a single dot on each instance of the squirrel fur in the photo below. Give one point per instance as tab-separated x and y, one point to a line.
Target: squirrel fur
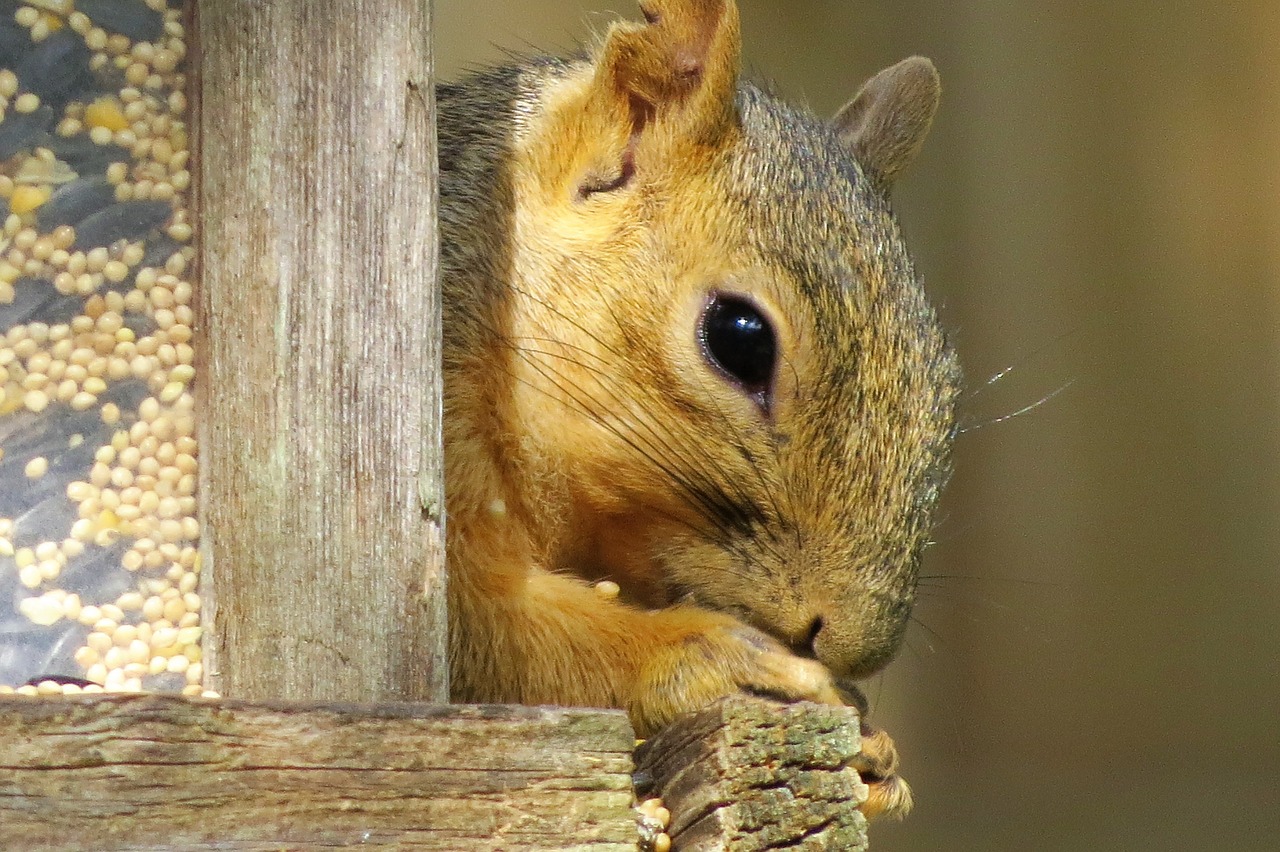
762	518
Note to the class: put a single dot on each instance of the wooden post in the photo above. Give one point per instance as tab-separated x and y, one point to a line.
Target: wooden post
320	410
753	776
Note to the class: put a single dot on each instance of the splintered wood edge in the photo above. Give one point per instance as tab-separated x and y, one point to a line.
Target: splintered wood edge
747	774
159	771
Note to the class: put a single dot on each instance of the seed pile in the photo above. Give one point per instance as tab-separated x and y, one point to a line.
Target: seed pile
99	565
652	821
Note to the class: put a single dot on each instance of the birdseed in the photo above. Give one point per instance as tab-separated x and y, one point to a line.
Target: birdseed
99	534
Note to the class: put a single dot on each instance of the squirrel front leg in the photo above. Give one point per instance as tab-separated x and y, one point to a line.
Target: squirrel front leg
551	639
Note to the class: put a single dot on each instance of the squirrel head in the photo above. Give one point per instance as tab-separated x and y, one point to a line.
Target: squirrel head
729	378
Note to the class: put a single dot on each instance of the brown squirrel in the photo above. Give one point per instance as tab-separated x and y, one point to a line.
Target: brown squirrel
686	352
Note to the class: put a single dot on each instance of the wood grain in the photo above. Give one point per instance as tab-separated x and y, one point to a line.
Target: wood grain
165	772
750	775
320	393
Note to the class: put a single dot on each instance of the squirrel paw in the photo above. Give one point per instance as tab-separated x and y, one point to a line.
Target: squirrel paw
877	763
721	659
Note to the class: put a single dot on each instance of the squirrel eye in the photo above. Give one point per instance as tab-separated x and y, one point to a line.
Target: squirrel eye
738	340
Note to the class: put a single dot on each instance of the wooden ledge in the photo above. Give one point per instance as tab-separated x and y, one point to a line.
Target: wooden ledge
163	772
157	771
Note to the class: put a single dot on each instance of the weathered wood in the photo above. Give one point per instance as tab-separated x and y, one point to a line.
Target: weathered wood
320	411
747	775
134	772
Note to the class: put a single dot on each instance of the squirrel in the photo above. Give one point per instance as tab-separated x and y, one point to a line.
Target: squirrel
685	351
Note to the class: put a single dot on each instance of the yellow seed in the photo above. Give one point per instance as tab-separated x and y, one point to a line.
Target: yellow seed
169	508
37	467
163	428
42	610
171	530
97	259
30	576
86	284
115	271
106	112
34	381
83	530
164	637
27	102
174	609
153	610
28	198
36	401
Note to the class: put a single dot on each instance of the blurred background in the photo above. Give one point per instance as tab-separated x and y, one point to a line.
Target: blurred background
1096	658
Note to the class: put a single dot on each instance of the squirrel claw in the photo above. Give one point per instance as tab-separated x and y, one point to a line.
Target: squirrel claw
877	763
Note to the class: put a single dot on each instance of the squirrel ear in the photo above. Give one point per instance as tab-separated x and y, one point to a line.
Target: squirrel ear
680	65
886	122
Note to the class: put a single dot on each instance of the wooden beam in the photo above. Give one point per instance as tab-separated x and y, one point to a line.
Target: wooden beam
320	410
750	775
152	771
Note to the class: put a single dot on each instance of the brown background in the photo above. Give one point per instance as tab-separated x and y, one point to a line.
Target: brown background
1096	661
